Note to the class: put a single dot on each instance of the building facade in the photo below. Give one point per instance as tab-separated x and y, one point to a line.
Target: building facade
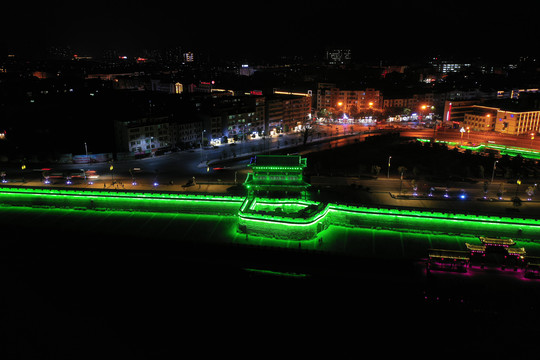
487	118
145	135
330	97
517	123
213	120
480	118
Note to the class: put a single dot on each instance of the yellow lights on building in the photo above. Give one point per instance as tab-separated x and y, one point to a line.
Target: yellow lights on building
292	93
178	88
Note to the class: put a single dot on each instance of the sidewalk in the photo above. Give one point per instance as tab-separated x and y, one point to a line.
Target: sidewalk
291	145
198	187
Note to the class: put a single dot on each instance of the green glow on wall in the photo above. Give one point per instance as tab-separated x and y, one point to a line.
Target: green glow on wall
297	220
276	273
103	200
351	230
305	227
503	149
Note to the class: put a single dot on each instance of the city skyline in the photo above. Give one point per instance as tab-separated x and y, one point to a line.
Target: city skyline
388	29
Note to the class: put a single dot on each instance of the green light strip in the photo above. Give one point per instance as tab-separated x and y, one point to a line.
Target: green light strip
118	194
504	149
276	273
394	212
156	202
294	168
352	217
278	222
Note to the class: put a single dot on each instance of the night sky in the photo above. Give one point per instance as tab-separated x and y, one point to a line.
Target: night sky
379	28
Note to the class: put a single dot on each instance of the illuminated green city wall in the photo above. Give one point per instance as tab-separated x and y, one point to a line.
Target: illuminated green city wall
109	200
435	222
297	219
503	149
307	227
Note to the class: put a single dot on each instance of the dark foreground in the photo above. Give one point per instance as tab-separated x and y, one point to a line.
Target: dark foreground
69	296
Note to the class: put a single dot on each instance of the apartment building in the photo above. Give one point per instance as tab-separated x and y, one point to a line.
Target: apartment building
329	96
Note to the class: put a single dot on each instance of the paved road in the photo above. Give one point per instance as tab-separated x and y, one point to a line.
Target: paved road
473	137
172	172
180	167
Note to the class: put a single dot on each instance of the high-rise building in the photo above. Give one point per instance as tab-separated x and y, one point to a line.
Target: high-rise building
188	57
338	56
448	66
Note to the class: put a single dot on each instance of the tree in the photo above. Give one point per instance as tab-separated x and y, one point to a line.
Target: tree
481	171
530	192
306	131
324	113
414	186
416	171
500	191
376	169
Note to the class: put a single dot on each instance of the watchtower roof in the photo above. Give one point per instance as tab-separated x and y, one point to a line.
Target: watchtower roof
278	161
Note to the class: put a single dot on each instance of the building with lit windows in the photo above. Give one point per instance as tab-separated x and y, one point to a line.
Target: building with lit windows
286	113
145	135
338	56
517	122
448	66
329	96
480	118
502	120
188	57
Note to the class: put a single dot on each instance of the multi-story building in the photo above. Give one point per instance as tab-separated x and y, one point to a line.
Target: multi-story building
480	118
286	113
504	117
400	102
517	122
454	111
145	135
338	56
329	96
234	117
448	66
212	119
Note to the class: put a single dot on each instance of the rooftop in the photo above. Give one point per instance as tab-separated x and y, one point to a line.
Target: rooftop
278	161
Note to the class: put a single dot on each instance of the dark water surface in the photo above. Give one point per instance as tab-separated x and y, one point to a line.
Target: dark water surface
75	295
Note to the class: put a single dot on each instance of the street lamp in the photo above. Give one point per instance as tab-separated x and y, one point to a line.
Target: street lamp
518	182
388	173
111	168
202	137
493	172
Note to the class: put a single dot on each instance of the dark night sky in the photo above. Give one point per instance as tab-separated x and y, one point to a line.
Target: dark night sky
248	27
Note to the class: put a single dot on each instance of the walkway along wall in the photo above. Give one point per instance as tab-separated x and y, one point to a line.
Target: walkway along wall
308	226
120	200
301	220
